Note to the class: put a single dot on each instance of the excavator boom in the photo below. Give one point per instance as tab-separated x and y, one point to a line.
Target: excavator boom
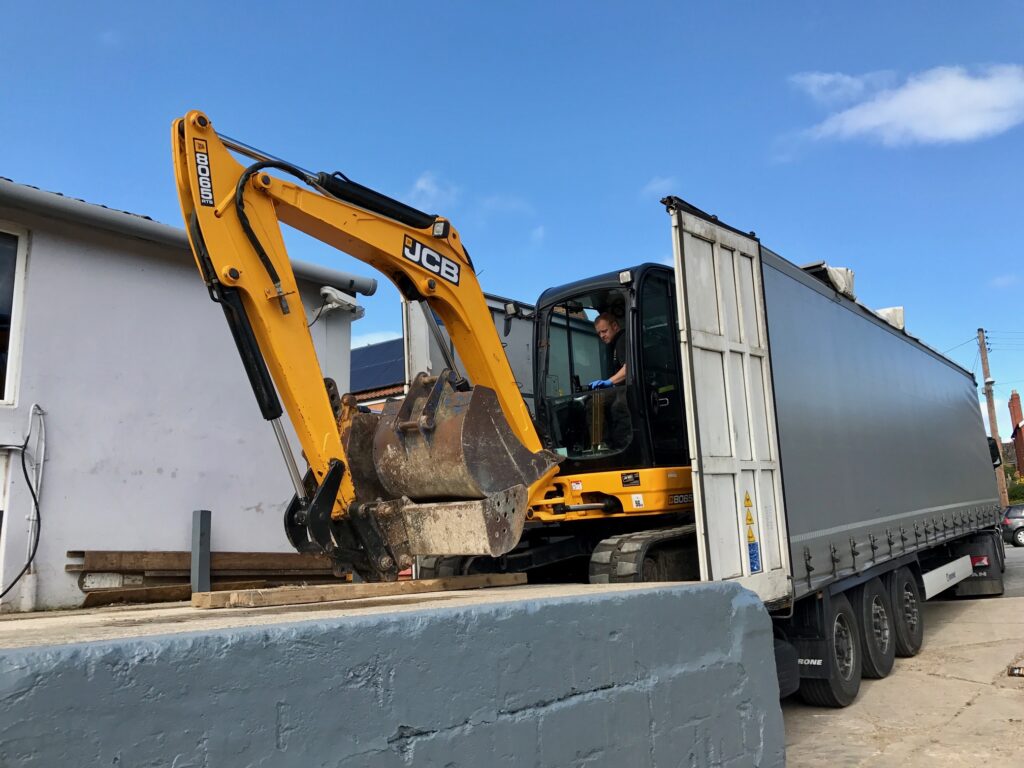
450	470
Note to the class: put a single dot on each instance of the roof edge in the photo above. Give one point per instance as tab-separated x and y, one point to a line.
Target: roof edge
23	197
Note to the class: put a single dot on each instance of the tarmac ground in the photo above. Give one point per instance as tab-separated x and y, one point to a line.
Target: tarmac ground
951	705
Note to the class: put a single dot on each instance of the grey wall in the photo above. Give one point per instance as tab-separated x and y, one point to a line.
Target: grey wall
149	414
675	676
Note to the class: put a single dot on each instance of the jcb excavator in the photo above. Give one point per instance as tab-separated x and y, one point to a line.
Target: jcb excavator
595	485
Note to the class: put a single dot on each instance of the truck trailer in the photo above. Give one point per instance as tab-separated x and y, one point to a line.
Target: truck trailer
839	465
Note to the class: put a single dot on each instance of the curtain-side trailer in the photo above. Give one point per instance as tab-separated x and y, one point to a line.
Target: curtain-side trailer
840	466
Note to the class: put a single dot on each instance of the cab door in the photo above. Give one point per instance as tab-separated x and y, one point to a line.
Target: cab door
660	384
730	410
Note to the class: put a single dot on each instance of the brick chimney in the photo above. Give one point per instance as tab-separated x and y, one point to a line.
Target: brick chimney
1017	420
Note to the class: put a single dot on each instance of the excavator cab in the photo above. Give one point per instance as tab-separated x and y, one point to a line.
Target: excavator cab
639	423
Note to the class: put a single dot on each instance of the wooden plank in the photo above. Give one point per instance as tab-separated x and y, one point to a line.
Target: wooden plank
165	593
138	561
260	598
262	573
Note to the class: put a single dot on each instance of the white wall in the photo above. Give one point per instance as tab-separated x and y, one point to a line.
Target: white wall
149	414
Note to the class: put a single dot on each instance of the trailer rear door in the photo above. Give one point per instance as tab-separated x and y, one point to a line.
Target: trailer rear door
740	515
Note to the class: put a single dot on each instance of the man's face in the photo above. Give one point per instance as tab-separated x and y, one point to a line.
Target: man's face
606	331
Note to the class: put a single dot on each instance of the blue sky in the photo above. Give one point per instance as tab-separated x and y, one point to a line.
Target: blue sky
882	137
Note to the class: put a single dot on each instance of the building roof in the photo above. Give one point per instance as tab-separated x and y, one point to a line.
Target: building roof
33	199
378	366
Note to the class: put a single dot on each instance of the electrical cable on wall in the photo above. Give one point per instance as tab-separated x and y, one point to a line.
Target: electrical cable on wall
35	489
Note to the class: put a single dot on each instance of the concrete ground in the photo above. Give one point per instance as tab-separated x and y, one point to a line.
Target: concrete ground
952	705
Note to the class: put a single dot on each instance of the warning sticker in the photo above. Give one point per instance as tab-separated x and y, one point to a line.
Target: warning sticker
576	485
753	546
638	501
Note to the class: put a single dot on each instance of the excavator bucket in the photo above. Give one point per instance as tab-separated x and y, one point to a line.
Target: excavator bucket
457	474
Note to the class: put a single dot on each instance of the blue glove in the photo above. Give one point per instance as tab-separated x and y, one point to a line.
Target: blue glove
600	384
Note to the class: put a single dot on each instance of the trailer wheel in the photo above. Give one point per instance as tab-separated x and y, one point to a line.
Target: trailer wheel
844	657
908	620
877	632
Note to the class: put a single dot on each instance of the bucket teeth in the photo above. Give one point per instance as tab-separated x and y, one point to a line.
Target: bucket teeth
490	526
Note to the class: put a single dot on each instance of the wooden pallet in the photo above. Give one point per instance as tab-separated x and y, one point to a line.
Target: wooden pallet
261	598
154	594
167	563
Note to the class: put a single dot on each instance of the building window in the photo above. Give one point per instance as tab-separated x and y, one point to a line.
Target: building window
8	273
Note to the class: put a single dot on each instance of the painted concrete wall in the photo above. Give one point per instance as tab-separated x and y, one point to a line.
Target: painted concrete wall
672	676
149	414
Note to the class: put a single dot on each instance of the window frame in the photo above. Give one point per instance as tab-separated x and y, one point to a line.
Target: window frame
14	344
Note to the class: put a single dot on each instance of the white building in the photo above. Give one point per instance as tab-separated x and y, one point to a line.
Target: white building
147	413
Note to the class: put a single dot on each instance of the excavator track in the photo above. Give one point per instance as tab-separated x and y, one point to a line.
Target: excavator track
621	559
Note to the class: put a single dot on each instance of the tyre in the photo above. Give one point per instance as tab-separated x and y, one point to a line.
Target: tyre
873	605
844	658
908	620
1018	537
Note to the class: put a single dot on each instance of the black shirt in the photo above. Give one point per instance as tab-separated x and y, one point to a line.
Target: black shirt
618	347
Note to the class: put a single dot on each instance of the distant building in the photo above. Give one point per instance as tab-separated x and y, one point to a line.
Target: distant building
381	371
378	373
1017	437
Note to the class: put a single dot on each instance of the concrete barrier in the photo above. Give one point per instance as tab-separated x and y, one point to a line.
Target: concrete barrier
650	676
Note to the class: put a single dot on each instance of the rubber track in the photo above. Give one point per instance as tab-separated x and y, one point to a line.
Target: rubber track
618	559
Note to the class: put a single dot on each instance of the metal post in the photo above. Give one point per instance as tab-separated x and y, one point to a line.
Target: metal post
201	550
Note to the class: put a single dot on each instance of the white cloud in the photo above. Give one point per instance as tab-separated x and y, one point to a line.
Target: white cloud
939	106
1004	281
537	235
431	194
833	88
506	204
373	337
659	186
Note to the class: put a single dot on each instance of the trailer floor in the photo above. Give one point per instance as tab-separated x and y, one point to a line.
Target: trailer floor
952	705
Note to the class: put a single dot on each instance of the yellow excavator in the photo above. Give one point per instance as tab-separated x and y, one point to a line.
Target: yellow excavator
595	484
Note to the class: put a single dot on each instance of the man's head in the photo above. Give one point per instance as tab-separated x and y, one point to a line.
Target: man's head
607	327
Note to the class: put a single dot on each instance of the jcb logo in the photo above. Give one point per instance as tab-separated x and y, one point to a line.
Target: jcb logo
428	258
203	173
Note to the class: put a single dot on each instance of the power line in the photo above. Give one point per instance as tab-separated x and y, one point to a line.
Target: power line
973	338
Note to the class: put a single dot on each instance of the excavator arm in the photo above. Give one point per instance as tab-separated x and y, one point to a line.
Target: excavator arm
448	470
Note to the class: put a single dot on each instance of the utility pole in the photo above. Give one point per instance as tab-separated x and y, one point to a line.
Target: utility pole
1004	500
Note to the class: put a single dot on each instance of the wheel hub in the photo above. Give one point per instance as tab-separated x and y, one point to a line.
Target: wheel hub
880	624
842	641
909	608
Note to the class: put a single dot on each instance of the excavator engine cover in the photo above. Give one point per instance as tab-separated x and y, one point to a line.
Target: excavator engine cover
445	444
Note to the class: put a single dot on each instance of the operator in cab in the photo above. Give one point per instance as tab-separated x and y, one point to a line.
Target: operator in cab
610	332
619	428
